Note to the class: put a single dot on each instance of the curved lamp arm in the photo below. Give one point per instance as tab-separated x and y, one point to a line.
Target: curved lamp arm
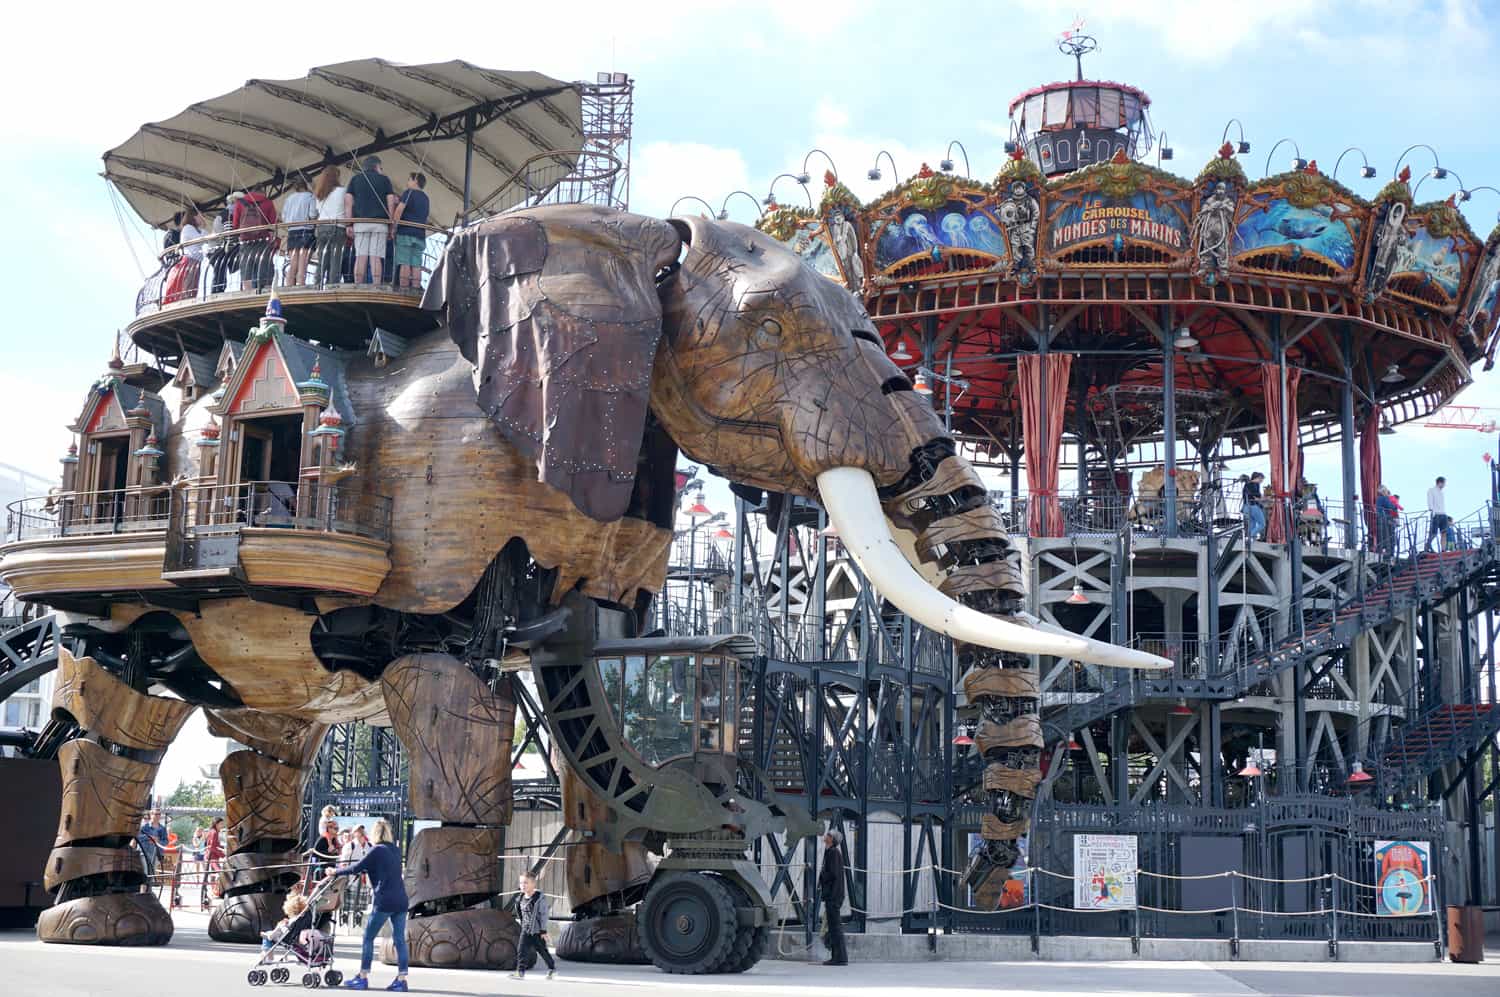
1243	146
1437	166
1463	193
1366	170
1297	163
770	198
947	164
724	208
874	173
804	178
672	211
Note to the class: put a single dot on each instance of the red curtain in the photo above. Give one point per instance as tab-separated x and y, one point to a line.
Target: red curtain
1042	433
1369	473
1281	418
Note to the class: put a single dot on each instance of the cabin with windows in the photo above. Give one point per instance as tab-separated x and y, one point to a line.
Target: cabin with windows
254	495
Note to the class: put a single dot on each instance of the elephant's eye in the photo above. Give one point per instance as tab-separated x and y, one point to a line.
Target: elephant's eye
771	327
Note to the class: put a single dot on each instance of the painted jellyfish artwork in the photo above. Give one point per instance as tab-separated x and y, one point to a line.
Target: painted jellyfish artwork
1328	231
918	233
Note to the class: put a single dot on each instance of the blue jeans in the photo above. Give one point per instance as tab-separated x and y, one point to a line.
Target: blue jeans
1257	517
373	924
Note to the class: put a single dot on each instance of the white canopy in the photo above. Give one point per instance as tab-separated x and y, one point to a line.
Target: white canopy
413	117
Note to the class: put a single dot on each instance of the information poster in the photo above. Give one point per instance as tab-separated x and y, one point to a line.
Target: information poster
1104	871
1403	886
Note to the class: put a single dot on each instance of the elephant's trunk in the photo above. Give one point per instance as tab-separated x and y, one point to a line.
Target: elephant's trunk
972	584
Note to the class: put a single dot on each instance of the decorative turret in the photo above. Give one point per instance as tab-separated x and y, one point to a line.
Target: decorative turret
314	390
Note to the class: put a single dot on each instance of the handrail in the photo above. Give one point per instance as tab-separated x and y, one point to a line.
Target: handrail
524	170
259	258
281	227
305	505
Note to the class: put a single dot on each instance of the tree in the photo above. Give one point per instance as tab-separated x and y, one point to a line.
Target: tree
201	793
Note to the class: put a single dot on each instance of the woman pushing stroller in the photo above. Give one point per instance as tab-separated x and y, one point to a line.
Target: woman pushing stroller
383	866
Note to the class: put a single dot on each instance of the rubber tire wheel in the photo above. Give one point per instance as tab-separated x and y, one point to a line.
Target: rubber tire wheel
311	981
333	978
744	937
760	944
255	978
683	904
281	974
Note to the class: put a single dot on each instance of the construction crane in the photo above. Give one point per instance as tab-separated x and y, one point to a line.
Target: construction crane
1485	420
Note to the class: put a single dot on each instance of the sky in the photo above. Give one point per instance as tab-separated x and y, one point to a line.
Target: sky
728	95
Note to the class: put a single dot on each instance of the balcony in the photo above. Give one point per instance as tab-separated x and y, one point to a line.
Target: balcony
206	286
210	538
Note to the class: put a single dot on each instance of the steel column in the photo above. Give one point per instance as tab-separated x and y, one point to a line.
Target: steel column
1352	519
1169	419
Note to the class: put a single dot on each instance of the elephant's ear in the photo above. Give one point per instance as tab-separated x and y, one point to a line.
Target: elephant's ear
557	310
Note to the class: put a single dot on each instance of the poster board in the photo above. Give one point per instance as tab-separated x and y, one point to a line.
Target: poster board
1104	871
1403	884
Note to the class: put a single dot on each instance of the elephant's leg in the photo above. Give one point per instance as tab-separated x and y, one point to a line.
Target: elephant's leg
962	533
107	774
263	801
602	885
457	732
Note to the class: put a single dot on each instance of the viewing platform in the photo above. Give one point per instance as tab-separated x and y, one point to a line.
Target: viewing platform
206	540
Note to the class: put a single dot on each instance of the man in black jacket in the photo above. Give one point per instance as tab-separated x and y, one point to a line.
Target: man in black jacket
831	892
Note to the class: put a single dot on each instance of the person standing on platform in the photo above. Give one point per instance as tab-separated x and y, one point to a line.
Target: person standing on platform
1255	513
411	238
533	912
369	200
1437	508
1385	522
299	206
330	235
831	892
383	866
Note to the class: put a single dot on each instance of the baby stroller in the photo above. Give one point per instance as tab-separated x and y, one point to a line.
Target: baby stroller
309	951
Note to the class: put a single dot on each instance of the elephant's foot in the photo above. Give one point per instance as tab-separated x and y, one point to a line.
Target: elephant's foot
457	732
243	917
94	875
112	919
612	938
479	938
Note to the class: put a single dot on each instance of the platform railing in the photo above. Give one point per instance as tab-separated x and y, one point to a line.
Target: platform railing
285	256
60	514
307	505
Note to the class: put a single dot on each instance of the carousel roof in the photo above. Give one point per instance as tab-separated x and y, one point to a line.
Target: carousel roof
414	117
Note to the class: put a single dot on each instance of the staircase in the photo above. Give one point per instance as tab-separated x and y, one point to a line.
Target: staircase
1444	734
1420	579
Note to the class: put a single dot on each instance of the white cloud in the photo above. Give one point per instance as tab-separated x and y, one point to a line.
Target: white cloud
663	172
830	116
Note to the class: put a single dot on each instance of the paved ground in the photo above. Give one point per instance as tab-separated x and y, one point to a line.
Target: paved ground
194	966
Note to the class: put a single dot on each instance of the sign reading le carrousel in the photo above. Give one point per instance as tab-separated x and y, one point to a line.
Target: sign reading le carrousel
1403	878
1104	871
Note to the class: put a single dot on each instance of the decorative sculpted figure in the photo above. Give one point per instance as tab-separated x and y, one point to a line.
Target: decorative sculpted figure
1020	213
1212	229
1390	246
846	246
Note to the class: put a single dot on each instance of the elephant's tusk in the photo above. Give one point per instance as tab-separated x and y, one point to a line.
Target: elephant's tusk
853	504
